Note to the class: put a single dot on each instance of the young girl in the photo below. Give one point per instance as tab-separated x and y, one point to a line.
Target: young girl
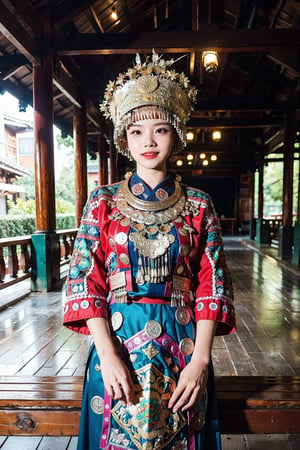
149	281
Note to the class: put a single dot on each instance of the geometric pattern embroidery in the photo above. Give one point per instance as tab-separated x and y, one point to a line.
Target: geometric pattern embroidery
150	423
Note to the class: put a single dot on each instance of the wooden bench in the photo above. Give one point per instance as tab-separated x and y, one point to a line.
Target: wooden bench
51	405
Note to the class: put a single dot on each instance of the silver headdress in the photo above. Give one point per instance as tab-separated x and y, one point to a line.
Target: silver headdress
146	91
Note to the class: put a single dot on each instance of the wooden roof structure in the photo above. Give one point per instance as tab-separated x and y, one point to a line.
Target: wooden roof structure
247	97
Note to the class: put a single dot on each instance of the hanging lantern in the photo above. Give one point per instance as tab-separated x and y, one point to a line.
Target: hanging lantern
190	136
216	135
114	14
210	61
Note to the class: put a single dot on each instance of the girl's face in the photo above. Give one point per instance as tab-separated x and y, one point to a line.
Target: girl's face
150	143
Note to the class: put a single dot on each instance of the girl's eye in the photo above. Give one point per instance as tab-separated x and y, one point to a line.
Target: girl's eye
137	132
162	130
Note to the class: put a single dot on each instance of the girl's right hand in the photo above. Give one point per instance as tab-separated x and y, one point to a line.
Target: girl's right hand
117	379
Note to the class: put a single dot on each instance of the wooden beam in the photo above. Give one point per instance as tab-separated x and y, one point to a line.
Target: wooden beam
235	122
255	40
94	19
67	87
221	148
95	117
16	34
224	103
69	9
28	13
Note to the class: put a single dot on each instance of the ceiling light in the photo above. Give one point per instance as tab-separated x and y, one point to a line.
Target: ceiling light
214	157
190	157
202	155
114	14
210	61
205	162
179	162
216	135
190	136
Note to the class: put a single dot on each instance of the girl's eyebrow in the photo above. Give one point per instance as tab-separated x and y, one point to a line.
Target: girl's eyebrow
156	124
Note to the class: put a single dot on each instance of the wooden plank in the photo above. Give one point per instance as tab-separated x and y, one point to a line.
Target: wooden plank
17	35
14	443
37	422
232	442
237	421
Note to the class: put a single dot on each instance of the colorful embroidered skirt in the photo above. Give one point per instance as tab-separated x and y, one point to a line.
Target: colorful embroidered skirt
156	342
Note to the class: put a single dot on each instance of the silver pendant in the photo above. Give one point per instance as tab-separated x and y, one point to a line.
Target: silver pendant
182	315
117	320
186	346
153	329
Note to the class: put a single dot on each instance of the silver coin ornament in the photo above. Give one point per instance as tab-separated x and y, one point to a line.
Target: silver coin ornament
186	346
182	315
117	320
153	329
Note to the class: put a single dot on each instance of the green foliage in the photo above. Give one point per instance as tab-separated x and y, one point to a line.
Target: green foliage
11	226
273	182
27	207
23	225
28	182
64	141
65	185
21	207
65	221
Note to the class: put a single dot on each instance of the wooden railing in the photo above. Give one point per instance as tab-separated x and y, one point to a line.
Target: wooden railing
15	260
15	256
67	238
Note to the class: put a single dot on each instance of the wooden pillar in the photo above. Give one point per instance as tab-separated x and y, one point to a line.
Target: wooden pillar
286	231
260	211
80	141
103	166
296	247
298	196
262	226
112	158
45	242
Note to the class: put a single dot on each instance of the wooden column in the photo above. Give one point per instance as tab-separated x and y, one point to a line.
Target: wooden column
45	252
262	226
103	166
296	248
286	231
112	158
260	211
298	196
80	141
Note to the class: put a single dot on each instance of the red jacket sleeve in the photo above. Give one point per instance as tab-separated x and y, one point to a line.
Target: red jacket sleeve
214	291
86	285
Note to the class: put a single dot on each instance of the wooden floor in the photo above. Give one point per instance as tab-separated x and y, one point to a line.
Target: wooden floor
33	342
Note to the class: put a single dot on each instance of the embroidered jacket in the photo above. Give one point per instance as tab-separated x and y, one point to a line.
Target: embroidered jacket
104	261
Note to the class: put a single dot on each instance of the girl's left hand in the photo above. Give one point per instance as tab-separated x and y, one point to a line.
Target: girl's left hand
190	387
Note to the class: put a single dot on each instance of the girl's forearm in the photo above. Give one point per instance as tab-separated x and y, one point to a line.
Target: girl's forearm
101	335
205	333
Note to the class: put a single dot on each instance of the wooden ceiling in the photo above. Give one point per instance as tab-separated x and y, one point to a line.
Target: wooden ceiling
247	97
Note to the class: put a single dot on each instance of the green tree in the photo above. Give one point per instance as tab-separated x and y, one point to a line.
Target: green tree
28	182
65	185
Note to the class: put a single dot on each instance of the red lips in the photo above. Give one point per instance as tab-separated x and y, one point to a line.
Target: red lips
150	155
